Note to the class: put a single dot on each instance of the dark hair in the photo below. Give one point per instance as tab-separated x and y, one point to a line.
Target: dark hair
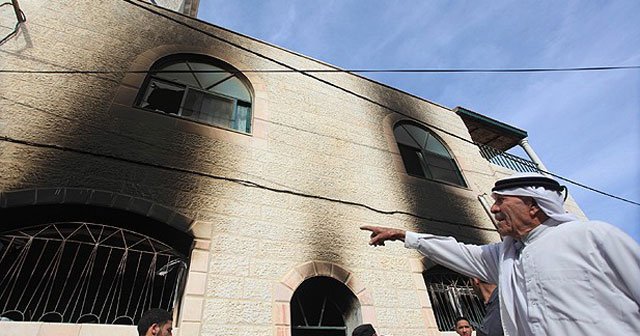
364	330
461	318
151	317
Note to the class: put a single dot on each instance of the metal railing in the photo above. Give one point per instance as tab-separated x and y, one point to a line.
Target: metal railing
86	273
452	296
507	160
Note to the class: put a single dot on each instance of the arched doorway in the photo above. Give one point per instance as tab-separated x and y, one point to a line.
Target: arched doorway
323	306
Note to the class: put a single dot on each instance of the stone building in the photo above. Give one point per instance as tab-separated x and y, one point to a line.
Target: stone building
166	162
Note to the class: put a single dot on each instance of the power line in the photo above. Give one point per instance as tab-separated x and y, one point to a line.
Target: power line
332	137
292	69
246	183
416	70
307	73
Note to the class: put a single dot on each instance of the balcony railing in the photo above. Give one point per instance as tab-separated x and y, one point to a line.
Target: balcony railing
507	160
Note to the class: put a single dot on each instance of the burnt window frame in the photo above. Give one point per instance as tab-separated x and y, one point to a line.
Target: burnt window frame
174	59
420	161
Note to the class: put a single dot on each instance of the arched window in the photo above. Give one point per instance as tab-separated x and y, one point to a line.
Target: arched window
89	271
323	306
198	88
425	156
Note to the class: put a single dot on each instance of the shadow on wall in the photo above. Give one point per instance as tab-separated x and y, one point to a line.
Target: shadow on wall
446	203
72	112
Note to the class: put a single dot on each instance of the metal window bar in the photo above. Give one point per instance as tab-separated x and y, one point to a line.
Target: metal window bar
452	298
507	160
84	272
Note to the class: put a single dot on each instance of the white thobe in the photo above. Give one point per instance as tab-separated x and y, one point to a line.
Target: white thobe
579	276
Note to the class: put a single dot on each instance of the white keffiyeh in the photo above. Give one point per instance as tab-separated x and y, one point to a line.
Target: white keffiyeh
549	201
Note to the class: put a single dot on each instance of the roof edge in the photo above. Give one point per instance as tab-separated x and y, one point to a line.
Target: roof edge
503	127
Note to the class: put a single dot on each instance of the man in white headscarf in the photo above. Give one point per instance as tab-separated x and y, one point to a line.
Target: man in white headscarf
556	275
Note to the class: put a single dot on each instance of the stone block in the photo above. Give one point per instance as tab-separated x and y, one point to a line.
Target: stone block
20	328
306	270
105	330
196	283
103	198
49	196
418	281
281	314
340	273
221	286
199	261
192	309
20	197
188	329
67	329
282	293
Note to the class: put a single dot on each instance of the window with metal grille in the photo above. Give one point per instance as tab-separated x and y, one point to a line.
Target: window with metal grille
425	156
198	88
452	295
86	272
323	306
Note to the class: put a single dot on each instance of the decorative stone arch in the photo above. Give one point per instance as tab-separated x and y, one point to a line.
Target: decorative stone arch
285	289
102	198
124	101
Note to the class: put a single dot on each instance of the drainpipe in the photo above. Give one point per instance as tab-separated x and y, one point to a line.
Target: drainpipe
19	14
524	143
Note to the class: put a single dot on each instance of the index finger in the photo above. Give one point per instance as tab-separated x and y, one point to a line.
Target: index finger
368	228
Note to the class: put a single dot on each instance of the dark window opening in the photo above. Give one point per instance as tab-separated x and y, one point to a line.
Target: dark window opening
412	159
425	156
323	306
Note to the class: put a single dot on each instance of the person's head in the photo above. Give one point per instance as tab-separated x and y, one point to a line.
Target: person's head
524	201
463	326
364	330
155	322
482	289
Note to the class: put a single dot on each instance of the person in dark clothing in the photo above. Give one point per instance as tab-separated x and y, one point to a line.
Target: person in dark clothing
491	324
155	322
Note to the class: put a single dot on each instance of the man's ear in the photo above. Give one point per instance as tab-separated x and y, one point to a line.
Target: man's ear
534	209
154	328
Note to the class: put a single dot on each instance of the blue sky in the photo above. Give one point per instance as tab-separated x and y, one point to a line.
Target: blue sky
585	126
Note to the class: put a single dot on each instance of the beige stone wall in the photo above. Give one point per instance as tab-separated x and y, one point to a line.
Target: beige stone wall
322	146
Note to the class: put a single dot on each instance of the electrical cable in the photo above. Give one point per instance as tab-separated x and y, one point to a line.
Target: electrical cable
291	69
332	137
164	148
246	183
477	70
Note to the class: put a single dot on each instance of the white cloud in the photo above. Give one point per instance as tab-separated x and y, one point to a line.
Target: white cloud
585	126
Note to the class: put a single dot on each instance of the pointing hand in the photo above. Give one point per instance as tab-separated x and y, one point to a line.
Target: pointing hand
380	234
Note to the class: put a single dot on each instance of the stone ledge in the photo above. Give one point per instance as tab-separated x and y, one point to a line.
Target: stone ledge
103	198
12	328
